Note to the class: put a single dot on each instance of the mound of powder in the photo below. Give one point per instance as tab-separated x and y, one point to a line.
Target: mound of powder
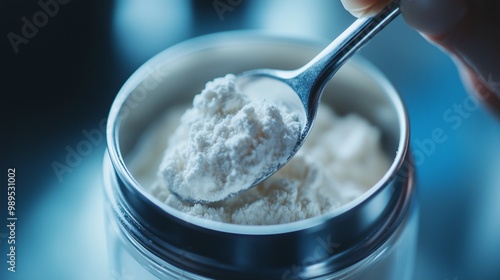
340	160
225	142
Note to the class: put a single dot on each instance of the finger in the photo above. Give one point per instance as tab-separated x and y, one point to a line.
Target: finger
434	17
470	31
361	8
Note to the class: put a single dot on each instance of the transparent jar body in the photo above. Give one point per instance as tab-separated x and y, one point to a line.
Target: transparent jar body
130	261
383	247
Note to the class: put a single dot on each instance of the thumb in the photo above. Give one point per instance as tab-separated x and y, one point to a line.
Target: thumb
360	8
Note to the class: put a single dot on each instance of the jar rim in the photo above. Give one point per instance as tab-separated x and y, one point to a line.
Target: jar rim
191	242
223	39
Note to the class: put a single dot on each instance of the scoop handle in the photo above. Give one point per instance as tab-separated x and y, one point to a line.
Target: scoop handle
314	75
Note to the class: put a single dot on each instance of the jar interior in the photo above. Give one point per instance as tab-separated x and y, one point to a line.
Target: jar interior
171	79
174	81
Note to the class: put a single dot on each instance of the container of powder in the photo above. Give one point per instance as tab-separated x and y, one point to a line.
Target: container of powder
343	208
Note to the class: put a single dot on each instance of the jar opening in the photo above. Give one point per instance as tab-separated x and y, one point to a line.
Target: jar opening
372	216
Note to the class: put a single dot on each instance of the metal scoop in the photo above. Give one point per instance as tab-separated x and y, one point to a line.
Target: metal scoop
307	83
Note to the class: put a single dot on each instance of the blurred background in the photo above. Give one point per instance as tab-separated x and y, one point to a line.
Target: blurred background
62	63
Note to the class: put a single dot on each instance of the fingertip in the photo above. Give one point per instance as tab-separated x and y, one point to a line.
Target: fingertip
363	8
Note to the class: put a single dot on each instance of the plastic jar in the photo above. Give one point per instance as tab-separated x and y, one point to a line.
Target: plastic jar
372	237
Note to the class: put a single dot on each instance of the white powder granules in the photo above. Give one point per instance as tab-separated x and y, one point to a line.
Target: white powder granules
340	160
226	141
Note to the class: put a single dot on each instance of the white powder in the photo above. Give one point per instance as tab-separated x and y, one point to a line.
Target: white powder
339	161
225	142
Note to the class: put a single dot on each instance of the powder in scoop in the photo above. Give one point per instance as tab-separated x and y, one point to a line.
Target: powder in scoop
226	141
340	160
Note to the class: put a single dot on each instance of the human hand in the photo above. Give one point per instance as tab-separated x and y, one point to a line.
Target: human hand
468	30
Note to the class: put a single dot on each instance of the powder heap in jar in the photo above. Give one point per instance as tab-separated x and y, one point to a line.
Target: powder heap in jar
340	160
226	141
